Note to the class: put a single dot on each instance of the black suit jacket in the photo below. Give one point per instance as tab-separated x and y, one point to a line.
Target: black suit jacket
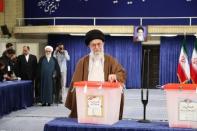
8	62
26	70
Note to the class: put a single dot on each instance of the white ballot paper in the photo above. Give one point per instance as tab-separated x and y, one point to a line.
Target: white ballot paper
95	106
187	111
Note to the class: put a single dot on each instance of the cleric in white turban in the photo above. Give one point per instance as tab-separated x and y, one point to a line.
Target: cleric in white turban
48	74
48	47
48	52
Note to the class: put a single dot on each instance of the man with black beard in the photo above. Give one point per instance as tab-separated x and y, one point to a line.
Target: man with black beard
96	66
62	57
48	77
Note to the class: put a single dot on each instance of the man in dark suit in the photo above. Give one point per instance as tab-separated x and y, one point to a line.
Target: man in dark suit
26	65
10	60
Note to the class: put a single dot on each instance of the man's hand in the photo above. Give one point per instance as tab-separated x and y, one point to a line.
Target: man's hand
57	48
112	78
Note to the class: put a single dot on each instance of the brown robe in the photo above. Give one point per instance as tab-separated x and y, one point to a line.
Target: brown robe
111	66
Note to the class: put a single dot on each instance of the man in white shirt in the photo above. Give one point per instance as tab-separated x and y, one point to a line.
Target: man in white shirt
62	57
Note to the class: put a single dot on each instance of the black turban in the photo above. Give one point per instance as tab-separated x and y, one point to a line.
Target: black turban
94	34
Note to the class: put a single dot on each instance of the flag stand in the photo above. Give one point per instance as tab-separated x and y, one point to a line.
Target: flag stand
145	101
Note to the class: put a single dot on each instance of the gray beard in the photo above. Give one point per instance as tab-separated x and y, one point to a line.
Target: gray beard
97	55
48	56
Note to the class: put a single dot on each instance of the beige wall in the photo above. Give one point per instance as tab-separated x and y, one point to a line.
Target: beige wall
13	9
34	48
36	45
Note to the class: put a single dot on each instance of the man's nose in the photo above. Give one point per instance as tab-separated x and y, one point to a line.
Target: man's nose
97	46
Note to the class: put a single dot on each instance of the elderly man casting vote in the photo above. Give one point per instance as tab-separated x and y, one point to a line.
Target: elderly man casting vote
96	66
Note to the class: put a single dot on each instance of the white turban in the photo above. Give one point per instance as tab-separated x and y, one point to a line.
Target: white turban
48	47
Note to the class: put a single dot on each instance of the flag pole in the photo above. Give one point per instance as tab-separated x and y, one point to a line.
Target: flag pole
4	11
184	36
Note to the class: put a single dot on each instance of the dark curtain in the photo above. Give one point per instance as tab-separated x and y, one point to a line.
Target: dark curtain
122	48
169	55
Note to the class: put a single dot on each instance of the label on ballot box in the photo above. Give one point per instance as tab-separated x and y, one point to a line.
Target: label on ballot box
188	111
95	106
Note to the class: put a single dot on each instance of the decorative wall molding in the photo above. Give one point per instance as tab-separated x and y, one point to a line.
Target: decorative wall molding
76	29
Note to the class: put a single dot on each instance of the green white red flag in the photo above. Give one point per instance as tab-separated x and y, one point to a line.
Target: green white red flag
1	5
193	64
183	71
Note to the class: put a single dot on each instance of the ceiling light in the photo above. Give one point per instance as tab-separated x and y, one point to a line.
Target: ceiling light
77	34
115	1
167	35
129	2
121	34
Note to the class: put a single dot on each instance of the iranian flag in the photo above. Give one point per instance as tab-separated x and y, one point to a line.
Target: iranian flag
193	65
1	5
183	71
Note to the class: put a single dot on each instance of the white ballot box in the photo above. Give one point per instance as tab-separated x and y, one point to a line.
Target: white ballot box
182	105
98	102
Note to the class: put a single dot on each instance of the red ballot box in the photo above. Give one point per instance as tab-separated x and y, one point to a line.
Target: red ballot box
98	102
182	105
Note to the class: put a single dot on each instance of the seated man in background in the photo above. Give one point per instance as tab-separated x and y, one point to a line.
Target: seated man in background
9	59
2	71
96	66
7	46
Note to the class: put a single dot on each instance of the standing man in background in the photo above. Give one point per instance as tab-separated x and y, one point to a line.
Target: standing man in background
62	57
48	76
27	66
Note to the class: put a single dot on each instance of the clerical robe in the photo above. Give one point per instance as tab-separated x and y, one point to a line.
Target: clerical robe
48	79
111	66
